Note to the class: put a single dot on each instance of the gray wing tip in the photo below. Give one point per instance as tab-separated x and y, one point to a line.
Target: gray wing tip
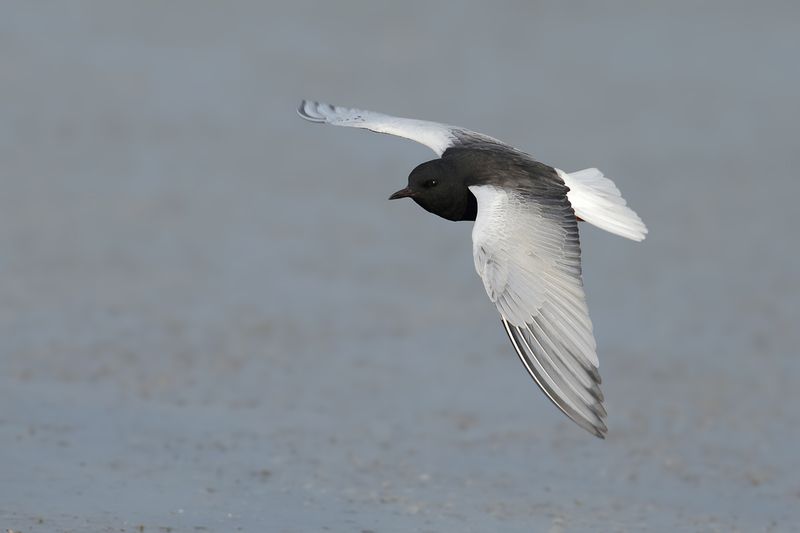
601	430
311	111
593	421
596	427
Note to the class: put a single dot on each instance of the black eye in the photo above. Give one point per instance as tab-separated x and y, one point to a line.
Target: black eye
430	183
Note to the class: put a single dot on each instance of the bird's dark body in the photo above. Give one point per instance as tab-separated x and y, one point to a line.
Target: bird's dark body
441	186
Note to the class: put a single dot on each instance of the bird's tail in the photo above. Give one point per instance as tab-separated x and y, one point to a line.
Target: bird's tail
597	200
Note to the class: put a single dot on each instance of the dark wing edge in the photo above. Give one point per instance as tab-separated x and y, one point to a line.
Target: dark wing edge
556	386
308	109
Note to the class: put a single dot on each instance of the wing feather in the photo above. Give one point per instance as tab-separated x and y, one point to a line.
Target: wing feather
436	136
527	252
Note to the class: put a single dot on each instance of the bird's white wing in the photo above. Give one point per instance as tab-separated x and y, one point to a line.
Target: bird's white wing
438	137
527	252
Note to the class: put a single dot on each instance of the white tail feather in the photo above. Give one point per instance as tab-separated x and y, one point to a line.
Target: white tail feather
597	200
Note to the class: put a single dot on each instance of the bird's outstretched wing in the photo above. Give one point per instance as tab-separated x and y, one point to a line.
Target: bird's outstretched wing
438	137
527	252
594	197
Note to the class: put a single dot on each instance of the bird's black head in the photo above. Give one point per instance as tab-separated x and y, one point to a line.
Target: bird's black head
439	188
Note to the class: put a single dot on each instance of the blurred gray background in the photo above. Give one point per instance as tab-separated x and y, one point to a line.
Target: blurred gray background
213	320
